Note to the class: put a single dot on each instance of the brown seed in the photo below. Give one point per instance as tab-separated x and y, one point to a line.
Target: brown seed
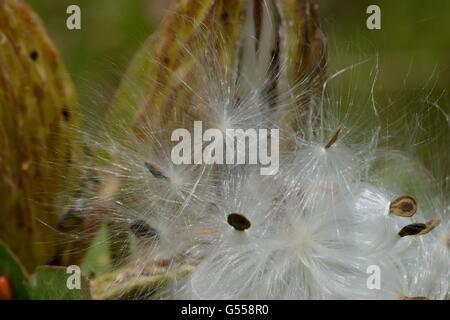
418	229
238	221
155	171
333	137
403	206
412	229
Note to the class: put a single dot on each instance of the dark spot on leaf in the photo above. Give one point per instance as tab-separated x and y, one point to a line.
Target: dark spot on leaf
65	112
34	55
224	16
69	157
257	17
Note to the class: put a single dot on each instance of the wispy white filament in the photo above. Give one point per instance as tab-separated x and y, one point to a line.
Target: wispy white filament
317	226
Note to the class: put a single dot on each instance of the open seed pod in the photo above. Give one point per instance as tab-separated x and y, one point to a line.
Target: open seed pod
276	46
280	39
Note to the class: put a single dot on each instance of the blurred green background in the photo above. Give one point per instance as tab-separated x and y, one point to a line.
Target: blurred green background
413	49
414	40
97	55
413	32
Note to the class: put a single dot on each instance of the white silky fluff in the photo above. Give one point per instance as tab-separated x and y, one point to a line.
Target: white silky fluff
316	226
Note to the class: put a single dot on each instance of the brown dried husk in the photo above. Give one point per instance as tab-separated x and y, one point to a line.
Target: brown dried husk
38	111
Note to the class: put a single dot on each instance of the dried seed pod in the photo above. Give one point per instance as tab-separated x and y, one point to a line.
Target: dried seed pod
155	171
290	34
333	137
143	230
403	206
238	221
37	142
417	229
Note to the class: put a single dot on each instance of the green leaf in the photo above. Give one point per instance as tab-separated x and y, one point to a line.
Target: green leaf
51	283
11	267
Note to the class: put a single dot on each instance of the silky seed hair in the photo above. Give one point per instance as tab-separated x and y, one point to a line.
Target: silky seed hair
312	230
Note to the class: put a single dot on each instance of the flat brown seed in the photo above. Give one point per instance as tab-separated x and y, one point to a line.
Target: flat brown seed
412	229
418	229
238	221
155	171
403	206
333	137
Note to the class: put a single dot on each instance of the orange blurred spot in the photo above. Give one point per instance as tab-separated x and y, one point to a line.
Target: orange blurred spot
5	289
